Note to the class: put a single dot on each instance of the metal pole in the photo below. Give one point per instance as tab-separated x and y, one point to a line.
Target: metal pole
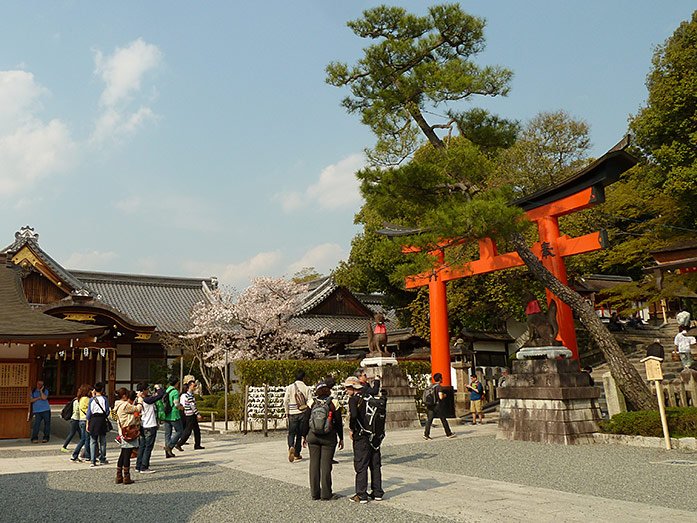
181	370
226	389
246	407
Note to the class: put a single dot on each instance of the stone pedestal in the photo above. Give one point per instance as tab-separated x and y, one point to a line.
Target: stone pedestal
401	403
461	392
548	401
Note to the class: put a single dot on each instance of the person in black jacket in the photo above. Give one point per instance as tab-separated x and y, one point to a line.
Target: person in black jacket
365	457
436	411
323	446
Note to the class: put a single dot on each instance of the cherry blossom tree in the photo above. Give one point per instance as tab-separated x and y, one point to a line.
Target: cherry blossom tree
256	325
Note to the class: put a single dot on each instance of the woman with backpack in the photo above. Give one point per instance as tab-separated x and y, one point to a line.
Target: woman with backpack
71	414
325	429
128	419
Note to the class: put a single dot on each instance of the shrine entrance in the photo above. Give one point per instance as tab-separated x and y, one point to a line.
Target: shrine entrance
581	191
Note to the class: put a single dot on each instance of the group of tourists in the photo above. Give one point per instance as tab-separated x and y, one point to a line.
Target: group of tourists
315	421
137	415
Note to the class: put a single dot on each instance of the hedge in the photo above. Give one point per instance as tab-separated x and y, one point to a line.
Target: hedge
682	423
282	372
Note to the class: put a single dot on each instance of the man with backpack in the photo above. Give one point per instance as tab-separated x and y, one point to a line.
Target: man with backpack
325	429
433	398
367	432
172	417
296	407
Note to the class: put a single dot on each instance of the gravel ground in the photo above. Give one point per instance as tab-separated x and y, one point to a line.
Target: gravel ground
609	471
203	492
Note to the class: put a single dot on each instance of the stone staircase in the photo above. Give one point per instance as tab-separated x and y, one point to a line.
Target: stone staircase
634	342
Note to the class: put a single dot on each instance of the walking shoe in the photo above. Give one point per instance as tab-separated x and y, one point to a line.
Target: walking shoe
199	448
92	465
103	462
44	441
35	441
179	448
146	471
63	449
357	499
451	436
76	460
291	454
334	496
374	497
426	437
298	457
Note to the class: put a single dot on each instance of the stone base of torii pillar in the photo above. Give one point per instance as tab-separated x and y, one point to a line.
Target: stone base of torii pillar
548	401
401	402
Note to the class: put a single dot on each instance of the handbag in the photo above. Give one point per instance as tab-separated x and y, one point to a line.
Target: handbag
131	432
675	356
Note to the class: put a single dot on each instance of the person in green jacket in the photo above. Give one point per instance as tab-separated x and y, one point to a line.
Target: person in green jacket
173	417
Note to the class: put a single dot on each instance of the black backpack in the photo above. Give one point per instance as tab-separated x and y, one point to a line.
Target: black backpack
67	410
321	416
375	418
429	396
167	402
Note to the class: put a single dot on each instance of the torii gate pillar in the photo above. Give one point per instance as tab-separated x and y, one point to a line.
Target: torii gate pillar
440	339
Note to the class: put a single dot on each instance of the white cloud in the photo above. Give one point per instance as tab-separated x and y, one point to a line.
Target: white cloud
30	148
238	275
91	260
122	73
323	258
337	187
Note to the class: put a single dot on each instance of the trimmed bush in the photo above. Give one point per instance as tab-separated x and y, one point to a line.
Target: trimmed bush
282	372
682	423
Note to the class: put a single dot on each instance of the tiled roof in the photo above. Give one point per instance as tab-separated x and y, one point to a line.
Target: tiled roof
27	237
349	324
18	321
317	291
151	300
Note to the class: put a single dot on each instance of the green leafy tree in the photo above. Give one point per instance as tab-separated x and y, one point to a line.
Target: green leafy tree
666	129
551	147
444	190
417	63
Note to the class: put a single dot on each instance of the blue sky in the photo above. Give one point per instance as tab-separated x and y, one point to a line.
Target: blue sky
199	139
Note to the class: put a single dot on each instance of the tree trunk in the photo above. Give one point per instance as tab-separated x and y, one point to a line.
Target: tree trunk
625	374
425	127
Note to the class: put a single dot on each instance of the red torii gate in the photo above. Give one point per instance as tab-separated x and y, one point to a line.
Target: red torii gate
581	191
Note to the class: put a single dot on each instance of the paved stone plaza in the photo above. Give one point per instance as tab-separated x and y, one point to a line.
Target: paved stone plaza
472	478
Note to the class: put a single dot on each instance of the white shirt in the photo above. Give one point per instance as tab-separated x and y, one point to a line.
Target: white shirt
289	402
683	342
148	418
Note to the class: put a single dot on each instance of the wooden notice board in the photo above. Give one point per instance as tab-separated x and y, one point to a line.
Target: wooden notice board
14	398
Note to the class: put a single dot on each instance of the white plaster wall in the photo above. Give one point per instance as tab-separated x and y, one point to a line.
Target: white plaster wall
123	369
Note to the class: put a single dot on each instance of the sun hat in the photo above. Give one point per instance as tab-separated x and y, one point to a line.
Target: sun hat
352	382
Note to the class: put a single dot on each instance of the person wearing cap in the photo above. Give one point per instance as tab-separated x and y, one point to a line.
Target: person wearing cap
191	418
368	389
323	446
365	457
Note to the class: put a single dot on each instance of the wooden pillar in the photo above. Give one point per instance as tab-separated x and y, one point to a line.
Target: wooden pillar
548	228
440	339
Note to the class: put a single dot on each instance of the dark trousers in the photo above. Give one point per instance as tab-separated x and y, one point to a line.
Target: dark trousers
322	449
367	458
295	432
146	442
431	414
125	458
74	429
191	425
45	418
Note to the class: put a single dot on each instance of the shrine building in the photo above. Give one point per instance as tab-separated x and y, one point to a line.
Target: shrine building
129	312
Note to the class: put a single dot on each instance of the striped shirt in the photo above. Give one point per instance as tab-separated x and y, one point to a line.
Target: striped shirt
189	403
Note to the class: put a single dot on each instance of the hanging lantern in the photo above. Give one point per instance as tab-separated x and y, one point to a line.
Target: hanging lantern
71	343
102	351
72	355
63	354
